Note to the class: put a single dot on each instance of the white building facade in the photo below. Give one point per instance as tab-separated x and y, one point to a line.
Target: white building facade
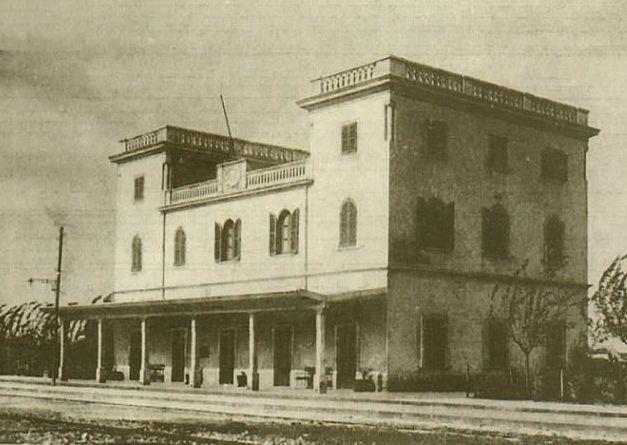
247	263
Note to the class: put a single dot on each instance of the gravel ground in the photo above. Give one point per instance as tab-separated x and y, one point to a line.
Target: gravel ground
41	426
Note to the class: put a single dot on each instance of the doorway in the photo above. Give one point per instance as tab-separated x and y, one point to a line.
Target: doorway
345	340
135	355
227	357
178	355
282	355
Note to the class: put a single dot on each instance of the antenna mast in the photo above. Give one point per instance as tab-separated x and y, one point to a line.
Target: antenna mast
228	127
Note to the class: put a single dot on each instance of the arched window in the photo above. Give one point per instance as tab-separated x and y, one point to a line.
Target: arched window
179	247
136	256
435	224
228	240
553	243
284	232
495	231
348	223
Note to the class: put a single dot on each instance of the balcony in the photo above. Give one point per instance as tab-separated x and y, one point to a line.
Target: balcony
234	178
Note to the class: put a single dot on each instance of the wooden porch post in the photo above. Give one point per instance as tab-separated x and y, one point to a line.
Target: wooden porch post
320	375
144	372
193	347
253	378
100	372
62	365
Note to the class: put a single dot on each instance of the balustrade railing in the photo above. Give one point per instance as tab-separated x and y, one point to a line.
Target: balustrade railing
255	179
199	140
455	83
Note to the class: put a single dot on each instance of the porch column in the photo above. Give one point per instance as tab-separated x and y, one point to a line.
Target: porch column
195	378
144	372
62	372
253	377
100	372
319	377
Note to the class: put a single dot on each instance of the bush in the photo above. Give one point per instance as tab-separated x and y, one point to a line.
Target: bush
424	381
499	385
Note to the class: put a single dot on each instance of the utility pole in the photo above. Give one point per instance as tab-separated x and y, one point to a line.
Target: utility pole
57	292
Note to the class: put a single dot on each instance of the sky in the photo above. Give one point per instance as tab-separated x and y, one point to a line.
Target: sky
78	76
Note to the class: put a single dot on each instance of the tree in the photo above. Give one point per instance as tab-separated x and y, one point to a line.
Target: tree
529	308
610	303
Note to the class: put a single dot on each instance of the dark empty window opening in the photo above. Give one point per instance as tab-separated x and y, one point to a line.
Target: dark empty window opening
434	343
435	224
553	243
136	254
349	138
179	247
497	344
554	165
348	224
139	188
495	231
498	154
437	139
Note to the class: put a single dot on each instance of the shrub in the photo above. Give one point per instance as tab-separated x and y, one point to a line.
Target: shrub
423	380
499	385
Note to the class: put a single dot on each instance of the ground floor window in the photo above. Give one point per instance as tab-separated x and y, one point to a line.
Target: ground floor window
432	341
556	345
496	331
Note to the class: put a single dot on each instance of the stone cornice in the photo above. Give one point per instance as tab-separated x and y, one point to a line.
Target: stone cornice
396	72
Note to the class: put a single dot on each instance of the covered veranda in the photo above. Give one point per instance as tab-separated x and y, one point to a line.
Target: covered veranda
248	316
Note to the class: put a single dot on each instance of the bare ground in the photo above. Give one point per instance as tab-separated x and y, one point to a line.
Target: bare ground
44	426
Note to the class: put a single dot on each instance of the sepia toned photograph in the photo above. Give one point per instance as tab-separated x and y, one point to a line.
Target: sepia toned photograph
301	222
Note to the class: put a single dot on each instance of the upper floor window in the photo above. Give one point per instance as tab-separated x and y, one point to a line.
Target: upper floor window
348	224
227	243
553	243
139	188
554	165
495	231
432	341
349	138
284	232
437	139
179	247
435	224
136	254
498	154
496	332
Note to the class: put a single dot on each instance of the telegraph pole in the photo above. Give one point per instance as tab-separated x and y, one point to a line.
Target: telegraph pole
57	292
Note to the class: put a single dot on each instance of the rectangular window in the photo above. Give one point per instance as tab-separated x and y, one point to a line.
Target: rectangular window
349	138
554	165
139	188
497	344
437	139
556	345
434	341
497	154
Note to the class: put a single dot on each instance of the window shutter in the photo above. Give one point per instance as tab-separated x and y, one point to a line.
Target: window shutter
353	225
352	137
344	225
345	139
217	244
272	234
420	349
445	340
486	340
294	231
237	239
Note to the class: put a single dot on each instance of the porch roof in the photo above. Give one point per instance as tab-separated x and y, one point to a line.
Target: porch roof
243	303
